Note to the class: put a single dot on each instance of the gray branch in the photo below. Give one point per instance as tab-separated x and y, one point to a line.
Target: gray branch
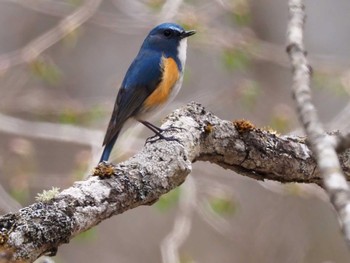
159	167
323	148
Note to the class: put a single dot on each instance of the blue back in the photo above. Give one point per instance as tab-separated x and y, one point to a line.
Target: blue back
144	71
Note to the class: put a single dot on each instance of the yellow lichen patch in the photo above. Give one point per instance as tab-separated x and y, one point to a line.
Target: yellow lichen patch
270	130
103	170
3	238
170	75
5	234
208	128
243	126
47	195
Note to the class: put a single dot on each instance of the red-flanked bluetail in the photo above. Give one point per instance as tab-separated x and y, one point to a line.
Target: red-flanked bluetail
153	79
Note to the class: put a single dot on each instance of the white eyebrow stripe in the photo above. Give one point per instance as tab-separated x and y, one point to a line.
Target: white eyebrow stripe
175	28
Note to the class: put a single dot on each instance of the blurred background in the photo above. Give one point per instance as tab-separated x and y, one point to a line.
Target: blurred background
61	64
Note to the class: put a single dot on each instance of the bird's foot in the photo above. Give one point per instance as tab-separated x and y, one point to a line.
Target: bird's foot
172	127
160	136
158	133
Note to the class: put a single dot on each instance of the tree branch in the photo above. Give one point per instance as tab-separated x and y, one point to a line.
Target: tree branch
159	167
325	154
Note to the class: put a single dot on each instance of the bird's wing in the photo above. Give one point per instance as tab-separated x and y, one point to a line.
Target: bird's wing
141	79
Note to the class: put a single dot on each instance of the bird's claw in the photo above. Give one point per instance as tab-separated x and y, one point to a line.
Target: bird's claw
157	137
172	127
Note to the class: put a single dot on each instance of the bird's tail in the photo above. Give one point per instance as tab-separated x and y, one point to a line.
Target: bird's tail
108	148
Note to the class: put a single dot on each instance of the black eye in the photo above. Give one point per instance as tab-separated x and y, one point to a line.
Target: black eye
167	33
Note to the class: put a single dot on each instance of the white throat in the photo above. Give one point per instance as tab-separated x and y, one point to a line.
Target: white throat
181	52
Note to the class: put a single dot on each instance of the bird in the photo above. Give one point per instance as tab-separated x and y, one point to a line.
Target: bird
152	80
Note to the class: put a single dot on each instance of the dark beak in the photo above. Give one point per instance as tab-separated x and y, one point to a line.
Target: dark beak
188	33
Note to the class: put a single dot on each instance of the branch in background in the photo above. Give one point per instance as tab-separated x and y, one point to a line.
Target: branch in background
341	142
50	131
182	226
67	133
7	203
325	154
340	121
169	10
267	51
158	168
33	49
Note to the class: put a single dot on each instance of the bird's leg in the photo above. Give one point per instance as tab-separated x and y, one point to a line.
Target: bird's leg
158	131
153	128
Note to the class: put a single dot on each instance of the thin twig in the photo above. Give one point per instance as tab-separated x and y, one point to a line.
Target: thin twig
182	225
169	10
340	121
50	131
341	142
325	154
64	8
7	203
34	48
267	51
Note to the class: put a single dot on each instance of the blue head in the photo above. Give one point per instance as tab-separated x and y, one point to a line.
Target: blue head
169	39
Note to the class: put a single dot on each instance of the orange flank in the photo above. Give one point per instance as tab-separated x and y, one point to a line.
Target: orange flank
161	94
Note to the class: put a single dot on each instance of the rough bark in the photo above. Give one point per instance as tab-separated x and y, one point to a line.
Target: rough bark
158	168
